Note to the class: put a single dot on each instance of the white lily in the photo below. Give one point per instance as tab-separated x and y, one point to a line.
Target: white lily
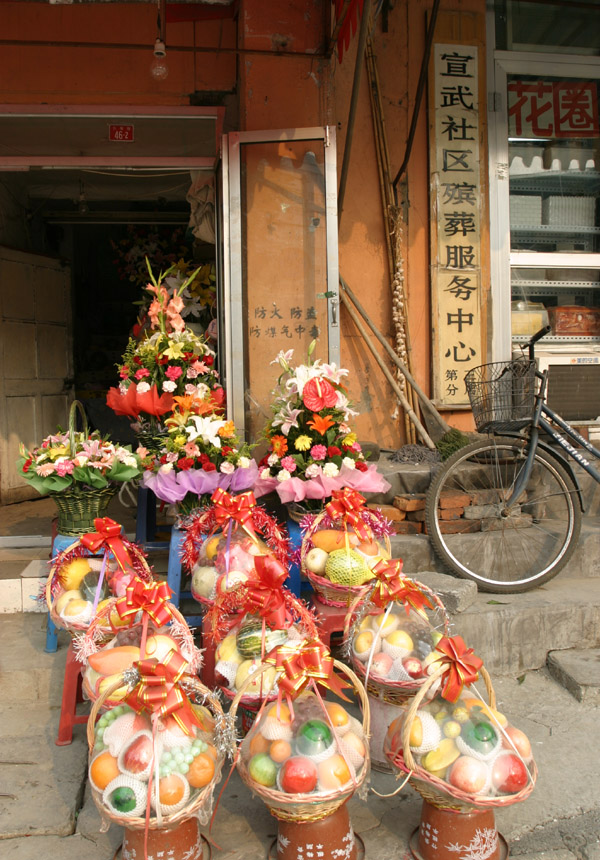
207	428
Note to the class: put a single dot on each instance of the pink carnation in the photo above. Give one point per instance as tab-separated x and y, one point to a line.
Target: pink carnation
318	452
65	467
173	372
289	464
142	372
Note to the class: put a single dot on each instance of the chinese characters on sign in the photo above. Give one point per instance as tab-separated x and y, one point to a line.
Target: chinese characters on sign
553	109
121	133
293	323
456	220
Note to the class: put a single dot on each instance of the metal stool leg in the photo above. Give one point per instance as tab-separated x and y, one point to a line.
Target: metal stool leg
174	575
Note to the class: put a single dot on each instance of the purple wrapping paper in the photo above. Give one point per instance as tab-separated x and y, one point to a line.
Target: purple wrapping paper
174	486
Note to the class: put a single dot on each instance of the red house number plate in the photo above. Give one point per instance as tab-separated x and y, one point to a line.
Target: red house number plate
120	133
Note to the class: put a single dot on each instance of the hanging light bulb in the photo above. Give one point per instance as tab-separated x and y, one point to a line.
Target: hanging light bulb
158	67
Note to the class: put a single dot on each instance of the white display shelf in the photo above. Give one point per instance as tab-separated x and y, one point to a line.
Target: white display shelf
569	181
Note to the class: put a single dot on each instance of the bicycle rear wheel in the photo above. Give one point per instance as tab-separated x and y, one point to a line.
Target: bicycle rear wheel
478	539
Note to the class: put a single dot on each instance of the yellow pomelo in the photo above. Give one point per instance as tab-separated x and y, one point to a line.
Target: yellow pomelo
72	574
61	602
75	606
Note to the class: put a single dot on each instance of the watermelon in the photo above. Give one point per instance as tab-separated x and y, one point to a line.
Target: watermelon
250	636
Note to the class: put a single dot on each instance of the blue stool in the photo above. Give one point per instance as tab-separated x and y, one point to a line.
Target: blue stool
145	527
174	575
59	544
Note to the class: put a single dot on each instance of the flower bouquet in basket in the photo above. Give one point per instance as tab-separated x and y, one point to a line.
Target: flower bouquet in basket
200	453
168	361
143	624
341	545
95	567
223	540
251	623
304	756
156	757
80	470
312	448
460	753
391	632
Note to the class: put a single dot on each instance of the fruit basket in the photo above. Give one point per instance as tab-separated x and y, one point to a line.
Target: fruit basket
305	757
155	759
94	568
223	540
391	631
251	624
340	547
144	625
460	753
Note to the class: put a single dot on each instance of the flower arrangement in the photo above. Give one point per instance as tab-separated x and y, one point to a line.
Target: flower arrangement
170	360
312	447
198	295
83	460
201	452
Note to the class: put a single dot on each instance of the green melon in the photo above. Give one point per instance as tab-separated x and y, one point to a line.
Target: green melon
346	567
249	639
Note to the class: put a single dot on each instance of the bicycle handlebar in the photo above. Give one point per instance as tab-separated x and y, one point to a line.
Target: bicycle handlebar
532	341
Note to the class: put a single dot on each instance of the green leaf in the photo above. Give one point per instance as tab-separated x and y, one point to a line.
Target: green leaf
520	679
56	483
497	603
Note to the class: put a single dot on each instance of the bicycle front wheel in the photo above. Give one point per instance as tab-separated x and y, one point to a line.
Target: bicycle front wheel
475	535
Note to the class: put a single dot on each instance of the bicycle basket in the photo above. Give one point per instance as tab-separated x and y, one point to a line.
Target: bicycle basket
502	394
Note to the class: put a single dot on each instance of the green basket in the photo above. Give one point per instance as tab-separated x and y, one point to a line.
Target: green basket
153	441
79	506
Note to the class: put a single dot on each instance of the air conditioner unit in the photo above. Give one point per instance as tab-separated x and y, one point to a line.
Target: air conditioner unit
573	381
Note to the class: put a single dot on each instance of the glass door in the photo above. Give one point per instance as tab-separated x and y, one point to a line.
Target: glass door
546	220
280	268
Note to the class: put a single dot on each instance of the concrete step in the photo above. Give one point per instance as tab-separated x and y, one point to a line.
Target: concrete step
578	671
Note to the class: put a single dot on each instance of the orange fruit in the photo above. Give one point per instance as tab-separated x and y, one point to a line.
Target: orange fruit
212	752
103	769
337	714
170	790
280	750
113	661
259	744
332	539
281	713
202	770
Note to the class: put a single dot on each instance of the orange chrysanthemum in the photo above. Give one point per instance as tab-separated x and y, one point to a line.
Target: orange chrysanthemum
321	423
279	445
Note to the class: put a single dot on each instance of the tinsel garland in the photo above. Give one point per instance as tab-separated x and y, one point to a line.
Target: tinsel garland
139	563
200	524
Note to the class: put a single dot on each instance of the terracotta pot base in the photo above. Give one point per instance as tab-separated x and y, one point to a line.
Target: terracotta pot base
330	838
184	842
442	832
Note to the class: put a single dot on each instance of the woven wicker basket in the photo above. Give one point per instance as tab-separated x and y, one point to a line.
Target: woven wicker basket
330	593
309	807
438	792
201	803
393	692
54	588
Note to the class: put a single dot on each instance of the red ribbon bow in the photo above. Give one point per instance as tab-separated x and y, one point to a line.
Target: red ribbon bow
348	505
107	535
159	693
310	660
264	594
391	585
149	597
462	665
237	508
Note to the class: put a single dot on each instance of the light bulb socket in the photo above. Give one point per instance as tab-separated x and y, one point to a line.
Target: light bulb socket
160	49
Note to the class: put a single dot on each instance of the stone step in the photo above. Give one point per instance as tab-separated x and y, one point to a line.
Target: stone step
578	671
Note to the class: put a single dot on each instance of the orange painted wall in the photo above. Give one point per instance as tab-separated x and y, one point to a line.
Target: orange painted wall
273	92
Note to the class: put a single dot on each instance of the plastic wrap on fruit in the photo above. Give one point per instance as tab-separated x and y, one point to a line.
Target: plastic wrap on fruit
344	543
302	744
393	628
459	740
87	574
252	622
155	754
223	540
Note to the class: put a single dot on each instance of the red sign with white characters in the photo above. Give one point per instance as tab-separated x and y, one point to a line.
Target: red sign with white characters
120	133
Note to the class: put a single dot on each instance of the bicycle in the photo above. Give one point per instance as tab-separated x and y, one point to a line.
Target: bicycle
506	511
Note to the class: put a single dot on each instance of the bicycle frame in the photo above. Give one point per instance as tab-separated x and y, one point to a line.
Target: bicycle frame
538	422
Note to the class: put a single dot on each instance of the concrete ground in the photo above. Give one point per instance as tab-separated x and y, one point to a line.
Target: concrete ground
46	811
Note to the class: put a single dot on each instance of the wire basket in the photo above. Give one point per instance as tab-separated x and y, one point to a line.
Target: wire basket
502	394
309	806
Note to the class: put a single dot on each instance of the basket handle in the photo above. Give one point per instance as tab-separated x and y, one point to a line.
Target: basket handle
76	405
414	707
